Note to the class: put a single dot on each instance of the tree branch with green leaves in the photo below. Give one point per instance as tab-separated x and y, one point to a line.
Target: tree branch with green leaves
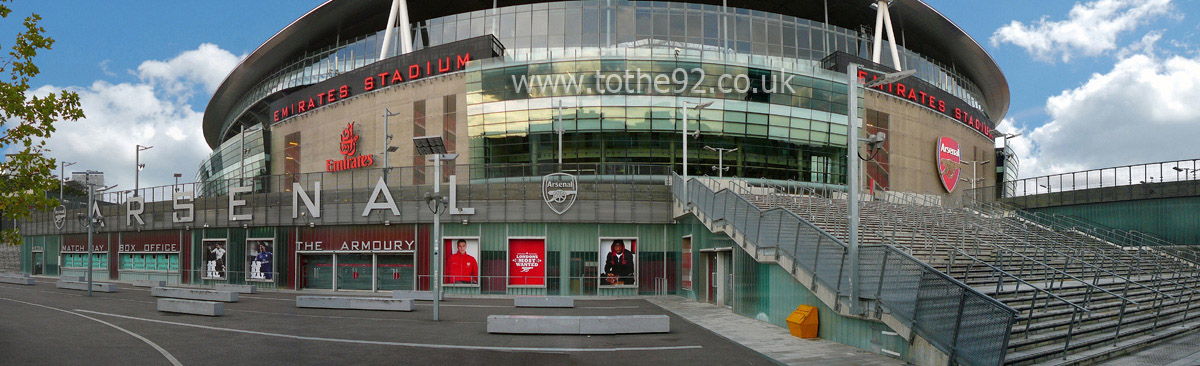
27	121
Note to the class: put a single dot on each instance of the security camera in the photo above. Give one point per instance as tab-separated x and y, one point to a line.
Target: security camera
677	51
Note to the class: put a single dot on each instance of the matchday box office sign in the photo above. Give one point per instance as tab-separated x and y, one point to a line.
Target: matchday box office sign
915	90
420	64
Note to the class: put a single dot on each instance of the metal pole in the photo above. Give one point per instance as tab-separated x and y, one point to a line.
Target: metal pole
437	234
91	221
137	170
559	130
852	181
685	155
720	163
242	165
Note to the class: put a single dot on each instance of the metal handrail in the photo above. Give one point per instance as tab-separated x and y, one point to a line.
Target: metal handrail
752	216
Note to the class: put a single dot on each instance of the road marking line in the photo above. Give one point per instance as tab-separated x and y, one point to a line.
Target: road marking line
135	335
401	344
338	317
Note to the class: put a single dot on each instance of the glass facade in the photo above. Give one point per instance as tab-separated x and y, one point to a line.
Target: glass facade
226	162
797	132
611	24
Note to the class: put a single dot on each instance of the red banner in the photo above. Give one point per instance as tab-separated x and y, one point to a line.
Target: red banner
527	262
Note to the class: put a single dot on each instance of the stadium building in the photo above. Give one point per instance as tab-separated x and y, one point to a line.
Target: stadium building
615	148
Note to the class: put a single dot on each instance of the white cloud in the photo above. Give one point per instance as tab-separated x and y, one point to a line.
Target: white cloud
1091	28
1144	110
155	111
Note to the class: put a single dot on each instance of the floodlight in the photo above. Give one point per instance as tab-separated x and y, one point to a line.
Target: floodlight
393	148
429	145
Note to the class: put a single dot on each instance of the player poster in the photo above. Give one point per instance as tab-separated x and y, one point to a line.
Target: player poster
214	259
462	261
618	262
527	262
259	260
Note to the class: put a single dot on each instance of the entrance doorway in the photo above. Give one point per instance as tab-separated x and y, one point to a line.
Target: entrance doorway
39	262
719	269
317	272
358	271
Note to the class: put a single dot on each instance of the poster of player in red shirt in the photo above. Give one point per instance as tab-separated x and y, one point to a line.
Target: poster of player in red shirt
462	261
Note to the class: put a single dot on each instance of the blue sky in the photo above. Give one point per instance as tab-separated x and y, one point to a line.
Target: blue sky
1094	83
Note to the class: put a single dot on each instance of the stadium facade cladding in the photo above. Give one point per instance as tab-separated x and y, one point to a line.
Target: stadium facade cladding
307	188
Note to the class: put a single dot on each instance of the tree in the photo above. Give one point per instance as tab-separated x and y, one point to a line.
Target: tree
27	121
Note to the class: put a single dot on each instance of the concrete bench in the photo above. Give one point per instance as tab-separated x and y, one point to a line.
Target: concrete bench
544	302
194	294
16	278
244	289
206	308
414	295
355	303
96	286
74	278
149	283
582	325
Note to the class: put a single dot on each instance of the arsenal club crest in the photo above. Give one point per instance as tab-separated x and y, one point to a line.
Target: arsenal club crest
949	162
60	217
559	190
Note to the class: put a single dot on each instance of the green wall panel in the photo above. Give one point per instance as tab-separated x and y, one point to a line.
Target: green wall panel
1175	219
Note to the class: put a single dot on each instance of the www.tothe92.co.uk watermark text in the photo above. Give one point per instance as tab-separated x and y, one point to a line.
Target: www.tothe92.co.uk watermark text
638	82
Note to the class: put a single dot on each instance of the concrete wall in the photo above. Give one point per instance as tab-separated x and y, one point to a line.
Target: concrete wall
320	130
912	136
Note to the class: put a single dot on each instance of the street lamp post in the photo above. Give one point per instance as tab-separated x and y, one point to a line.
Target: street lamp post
435	149
387	140
720	168
137	160
177	176
90	221
62	179
697	106
559	131
852	85
974	164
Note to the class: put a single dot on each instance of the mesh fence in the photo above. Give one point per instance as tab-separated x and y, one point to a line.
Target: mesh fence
970	327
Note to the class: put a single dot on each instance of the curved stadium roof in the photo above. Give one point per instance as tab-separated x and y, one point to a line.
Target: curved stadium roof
926	30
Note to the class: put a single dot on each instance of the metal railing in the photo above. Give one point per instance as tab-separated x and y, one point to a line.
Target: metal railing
1160	172
971	327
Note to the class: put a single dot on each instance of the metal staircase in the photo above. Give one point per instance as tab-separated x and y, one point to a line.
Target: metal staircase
918	301
1077	293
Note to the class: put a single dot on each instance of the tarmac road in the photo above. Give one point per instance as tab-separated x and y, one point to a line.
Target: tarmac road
42	325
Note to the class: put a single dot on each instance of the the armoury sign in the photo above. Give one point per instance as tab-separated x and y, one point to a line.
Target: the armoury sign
349	148
559	190
949	162
447	58
366	245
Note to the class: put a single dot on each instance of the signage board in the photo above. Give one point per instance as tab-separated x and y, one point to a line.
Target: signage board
419	64
917	91
527	262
